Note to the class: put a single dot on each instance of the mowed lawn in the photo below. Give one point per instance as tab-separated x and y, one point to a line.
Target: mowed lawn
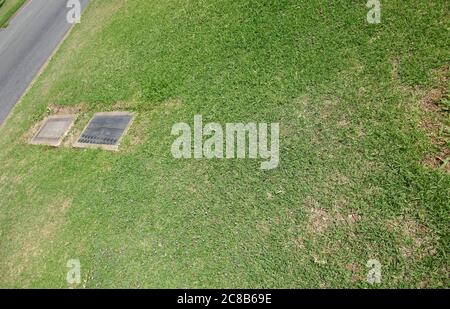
7	10
358	177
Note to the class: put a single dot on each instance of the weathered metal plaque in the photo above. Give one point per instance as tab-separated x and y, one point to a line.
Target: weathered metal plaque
105	130
53	131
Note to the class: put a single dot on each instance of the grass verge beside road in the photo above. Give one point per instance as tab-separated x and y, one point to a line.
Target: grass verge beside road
7	10
352	184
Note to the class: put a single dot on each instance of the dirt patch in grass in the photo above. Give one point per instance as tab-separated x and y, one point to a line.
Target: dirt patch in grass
322	220
356	272
431	100
54	109
416	240
439	160
123	105
436	122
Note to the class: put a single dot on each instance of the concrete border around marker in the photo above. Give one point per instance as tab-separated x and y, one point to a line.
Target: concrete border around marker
100	146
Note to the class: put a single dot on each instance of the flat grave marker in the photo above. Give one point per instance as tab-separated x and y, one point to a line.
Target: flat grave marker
53	130
105	130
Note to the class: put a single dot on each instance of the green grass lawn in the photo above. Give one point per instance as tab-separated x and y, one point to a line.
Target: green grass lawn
7	9
353	183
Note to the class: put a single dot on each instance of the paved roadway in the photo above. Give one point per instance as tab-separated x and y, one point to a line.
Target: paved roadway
26	44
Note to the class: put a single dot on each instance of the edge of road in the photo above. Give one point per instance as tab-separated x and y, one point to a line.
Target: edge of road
24	5
43	67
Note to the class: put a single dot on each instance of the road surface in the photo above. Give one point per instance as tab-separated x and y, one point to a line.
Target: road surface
26	44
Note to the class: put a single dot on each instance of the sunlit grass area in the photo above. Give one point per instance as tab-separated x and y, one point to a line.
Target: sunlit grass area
353	183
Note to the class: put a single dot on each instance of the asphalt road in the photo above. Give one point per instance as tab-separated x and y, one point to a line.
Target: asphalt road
26	44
